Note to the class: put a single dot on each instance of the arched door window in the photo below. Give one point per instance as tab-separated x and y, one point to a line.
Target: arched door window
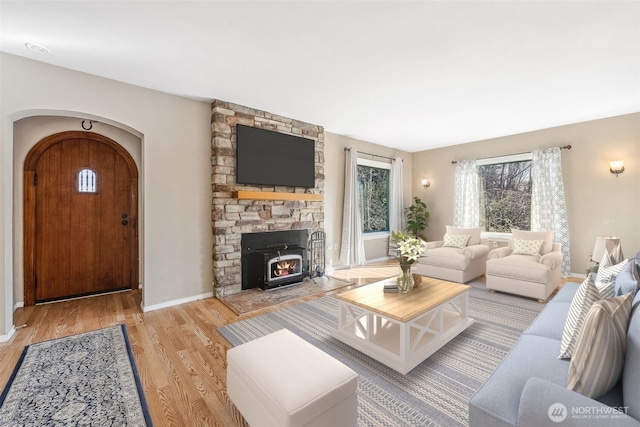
87	181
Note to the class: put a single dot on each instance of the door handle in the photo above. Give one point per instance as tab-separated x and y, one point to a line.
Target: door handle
124	222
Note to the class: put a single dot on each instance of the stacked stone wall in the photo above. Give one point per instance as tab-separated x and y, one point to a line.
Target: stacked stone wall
231	216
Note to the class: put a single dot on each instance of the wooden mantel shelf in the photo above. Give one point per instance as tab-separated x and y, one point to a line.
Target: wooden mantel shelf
275	195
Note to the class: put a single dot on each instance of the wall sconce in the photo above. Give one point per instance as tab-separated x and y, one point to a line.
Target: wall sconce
616	166
425	183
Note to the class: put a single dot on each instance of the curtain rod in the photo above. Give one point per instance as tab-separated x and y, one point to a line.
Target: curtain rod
564	147
371	154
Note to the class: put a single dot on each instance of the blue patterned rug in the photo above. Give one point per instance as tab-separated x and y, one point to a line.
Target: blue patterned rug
437	391
88	379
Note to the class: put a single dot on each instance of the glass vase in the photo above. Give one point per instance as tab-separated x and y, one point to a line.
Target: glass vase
405	280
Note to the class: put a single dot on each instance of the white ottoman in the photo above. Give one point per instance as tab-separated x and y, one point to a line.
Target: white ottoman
280	380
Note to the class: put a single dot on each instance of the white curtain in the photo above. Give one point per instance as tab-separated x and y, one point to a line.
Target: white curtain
548	208
352	246
396	207
466	195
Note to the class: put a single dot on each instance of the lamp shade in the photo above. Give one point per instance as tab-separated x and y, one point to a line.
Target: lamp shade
602	244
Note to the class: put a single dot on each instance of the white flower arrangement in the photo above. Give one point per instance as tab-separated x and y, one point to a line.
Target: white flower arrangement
409	248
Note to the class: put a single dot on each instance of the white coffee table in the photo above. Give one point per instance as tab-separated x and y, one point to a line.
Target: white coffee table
402	330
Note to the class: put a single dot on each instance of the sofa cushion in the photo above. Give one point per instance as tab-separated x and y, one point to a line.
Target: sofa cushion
631	370
584	298
566	292
453	258
496	402
545	236
455	240
520	267
526	247
628	278
598	357
550	322
607	273
474	232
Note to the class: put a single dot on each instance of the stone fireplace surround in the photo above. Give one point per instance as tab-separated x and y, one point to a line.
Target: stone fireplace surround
232	215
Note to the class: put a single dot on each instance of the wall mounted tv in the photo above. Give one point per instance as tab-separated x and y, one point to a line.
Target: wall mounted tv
264	157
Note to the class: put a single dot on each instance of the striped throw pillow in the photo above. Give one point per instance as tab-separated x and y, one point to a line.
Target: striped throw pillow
526	247
607	273
582	301
598	357
456	240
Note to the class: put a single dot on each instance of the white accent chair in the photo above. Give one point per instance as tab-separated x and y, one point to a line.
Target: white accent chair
534	276
451	263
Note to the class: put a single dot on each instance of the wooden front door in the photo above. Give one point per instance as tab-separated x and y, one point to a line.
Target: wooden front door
81	190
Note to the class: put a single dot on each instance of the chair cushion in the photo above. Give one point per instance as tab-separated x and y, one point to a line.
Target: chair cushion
520	267
474	232
453	258
582	301
598	357
545	236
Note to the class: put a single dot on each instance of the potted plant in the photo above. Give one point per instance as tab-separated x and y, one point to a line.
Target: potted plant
417	218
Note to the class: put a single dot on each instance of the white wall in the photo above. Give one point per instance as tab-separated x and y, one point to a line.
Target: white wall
175	172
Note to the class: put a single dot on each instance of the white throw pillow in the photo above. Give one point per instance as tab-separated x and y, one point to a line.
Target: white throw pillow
582	301
474	232
456	240
526	247
546	236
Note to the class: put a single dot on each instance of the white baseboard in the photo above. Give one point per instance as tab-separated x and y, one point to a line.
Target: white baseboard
578	275
18	305
176	302
6	337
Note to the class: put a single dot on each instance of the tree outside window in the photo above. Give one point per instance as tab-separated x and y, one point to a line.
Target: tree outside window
373	197
505	196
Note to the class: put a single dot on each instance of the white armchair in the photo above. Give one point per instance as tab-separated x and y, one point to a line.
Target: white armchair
459	257
530	266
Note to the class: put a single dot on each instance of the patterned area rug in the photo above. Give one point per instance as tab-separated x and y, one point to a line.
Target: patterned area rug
437	391
87	379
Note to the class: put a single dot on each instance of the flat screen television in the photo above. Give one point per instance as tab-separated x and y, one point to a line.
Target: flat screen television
264	157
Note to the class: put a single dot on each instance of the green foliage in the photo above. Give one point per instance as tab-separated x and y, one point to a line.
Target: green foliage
507	196
373	198
417	218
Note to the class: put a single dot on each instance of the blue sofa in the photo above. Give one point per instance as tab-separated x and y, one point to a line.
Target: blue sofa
529	387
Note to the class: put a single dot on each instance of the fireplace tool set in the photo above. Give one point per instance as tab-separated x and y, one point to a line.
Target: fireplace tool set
317	254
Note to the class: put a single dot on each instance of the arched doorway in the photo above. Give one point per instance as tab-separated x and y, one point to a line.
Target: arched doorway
80	217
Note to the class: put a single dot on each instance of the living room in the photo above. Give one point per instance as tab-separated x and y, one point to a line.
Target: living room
171	139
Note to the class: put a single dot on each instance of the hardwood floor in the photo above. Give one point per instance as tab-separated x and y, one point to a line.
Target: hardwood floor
179	353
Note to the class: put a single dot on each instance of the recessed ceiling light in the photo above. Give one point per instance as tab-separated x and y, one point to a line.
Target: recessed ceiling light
37	48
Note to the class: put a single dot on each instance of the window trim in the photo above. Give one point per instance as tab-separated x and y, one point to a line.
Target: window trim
374	163
512	158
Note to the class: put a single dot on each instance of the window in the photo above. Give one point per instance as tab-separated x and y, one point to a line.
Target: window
87	181
505	186
373	195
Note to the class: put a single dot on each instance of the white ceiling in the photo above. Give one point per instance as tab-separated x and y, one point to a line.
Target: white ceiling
411	75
